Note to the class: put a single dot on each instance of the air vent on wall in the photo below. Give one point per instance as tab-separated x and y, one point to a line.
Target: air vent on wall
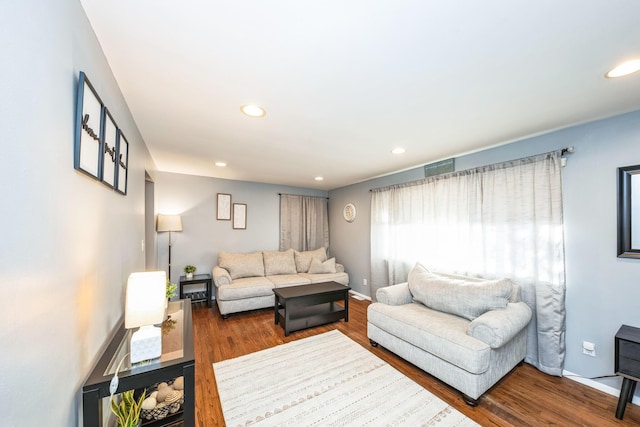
438	168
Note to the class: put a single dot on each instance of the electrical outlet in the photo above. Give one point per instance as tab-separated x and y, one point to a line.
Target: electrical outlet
364	282
589	348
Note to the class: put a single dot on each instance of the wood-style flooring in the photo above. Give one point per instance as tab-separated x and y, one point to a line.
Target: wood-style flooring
525	397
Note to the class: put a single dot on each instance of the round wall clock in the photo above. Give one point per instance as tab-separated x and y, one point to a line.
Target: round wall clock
349	212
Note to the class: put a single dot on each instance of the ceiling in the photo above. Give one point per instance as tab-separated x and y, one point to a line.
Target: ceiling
344	82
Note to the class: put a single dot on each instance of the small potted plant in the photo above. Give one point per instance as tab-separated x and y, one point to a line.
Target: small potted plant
127	412
189	270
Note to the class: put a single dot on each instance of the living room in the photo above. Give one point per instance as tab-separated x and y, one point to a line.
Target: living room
72	243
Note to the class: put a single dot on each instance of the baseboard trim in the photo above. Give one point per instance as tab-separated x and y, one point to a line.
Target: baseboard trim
598	386
358	295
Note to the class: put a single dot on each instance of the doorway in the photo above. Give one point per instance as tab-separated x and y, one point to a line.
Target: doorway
150	246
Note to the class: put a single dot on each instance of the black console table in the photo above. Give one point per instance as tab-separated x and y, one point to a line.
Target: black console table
627	364
177	360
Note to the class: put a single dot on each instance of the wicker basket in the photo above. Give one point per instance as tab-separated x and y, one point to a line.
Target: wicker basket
161	410
157	413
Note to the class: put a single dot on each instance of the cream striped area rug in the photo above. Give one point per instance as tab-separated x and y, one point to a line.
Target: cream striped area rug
325	380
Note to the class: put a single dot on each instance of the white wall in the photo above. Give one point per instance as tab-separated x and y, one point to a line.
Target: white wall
602	290
194	198
68	242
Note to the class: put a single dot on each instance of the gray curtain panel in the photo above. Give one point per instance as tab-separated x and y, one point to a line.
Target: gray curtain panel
304	222
502	220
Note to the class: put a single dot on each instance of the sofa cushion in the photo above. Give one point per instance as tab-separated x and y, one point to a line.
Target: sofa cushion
442	334
468	299
303	259
284	280
317	266
242	265
248	287
515	291
342	278
418	274
279	262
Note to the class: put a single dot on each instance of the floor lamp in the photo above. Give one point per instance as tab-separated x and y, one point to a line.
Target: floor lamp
169	223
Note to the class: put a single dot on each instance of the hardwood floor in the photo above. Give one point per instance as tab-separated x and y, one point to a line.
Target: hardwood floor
525	397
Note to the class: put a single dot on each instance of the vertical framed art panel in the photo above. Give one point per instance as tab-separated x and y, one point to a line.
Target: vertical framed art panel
109	154
239	216
223	207
88	145
122	163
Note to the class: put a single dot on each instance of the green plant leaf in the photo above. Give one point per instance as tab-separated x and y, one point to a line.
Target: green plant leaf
127	412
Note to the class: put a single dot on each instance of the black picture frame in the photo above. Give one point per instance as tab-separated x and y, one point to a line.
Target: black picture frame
109	150
122	156
88	132
628	218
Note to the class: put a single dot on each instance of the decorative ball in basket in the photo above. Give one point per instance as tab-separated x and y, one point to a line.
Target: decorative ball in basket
166	399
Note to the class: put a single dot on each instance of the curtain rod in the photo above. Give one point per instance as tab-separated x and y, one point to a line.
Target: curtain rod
302	195
563	151
567	150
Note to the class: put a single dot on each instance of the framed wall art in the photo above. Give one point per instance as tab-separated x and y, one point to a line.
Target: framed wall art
109	154
122	163
224	207
87	156
239	216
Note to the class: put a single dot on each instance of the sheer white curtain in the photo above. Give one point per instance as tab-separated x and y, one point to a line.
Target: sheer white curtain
304	222
501	220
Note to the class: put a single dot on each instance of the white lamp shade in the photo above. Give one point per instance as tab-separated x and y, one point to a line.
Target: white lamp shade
169	223
146	299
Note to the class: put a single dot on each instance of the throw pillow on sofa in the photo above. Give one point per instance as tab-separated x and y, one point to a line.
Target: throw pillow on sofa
319	267
417	272
303	259
279	262
242	265
468	299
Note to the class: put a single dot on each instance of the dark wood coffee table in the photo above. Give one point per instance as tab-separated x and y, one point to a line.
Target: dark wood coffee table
304	306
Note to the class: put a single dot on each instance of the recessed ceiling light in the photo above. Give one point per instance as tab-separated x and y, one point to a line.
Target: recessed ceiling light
221	164
398	150
252	110
319	178
624	69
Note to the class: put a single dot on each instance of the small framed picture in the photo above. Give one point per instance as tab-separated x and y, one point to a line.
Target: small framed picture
87	156
239	216
122	163
109	155
224	207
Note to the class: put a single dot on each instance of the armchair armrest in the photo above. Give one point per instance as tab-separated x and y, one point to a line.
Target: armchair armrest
221	276
395	294
498	327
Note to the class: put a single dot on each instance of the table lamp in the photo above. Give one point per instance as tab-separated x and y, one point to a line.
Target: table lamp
169	223
145	304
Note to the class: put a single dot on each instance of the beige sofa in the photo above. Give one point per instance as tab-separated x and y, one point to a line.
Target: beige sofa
468	332
246	281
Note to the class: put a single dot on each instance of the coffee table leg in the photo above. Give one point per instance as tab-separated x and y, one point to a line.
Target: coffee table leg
275	308
346	306
287	323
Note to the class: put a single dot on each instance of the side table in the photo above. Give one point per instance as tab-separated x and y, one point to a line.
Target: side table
627	364
198	295
177	360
